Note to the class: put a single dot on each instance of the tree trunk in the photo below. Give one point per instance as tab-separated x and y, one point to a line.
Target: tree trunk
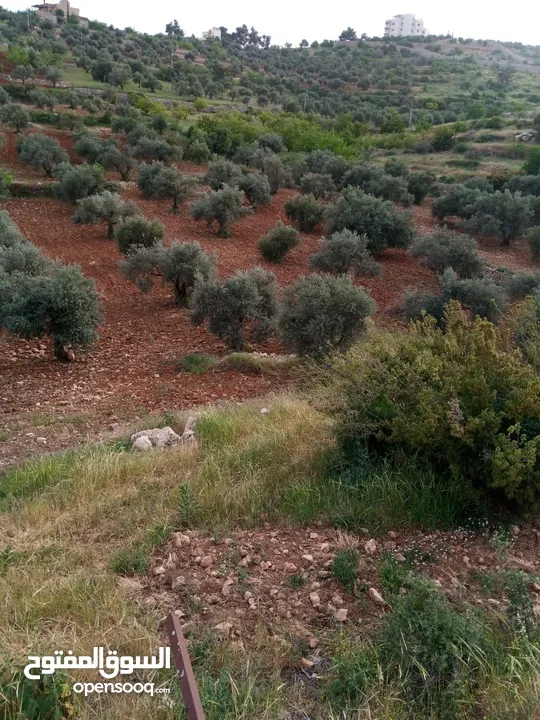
181	295
110	231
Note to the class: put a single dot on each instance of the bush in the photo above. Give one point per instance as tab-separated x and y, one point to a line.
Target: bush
41	152
64	306
146	177
23	257
420	184
138	231
257	189
396	168
532	166
444	248
344	252
533	238
320	186
522	284
77	183
179	264
321	314
223	172
271	141
444	139
107	207
274	170
231	306
499	214
526	185
197	152
431	650
454	202
154	149
391	188
379	219
470	407
223	207
305	211
277	243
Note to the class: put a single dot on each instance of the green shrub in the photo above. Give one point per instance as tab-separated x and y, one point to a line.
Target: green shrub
146	177
344	252
179	264
420	184
172	184
521	284
197	152
532	166
222	207
320	186
526	185
271	141
449	395
396	168
533	238
305	211
138	231
345	568
444	139
248	300
15	115
273	168
354	672
48	698
278	242
454	202
321	314
444	248
384	225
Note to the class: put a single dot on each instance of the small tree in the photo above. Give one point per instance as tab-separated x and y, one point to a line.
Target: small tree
384	225
146	177
231	306
138	231
320	186
348	34
16	116
345	252
53	75
107	207
198	152
42	99
223	207
155	149
119	76
23	73
171	183
64	306
321	314
273	168
77	183
499	214
305	211
223	172
257	189
152	83
278	242
160	123
4	97
532	166
42	152
444	139
391	188
122	162
454	202
181	264
446	249
420	184
271	141
396	168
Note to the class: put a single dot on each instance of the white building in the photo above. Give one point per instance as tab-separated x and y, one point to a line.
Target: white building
404	26
212	34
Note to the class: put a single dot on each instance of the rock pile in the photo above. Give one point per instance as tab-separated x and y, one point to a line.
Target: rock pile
162	438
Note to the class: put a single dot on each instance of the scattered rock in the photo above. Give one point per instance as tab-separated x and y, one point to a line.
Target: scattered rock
289	567
308	558
159	570
325	547
178	582
315	599
179	539
41	441
159	437
206	561
191	424
306	663
376	597
224	628
371	547
341	615
265	411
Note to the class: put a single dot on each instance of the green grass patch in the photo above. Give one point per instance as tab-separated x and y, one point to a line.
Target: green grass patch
196	363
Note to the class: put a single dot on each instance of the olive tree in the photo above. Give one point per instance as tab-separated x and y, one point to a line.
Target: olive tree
246	301
500	214
41	152
321	314
305	211
171	183
447	249
138	231
222	207
107	207
16	116
345	252
378	219
223	172
181	265
78	182
275	245
122	162
257	188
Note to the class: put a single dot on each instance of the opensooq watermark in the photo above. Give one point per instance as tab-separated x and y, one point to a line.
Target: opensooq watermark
109	667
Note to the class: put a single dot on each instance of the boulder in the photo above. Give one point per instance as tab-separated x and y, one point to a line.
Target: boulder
142	444
158	437
191	425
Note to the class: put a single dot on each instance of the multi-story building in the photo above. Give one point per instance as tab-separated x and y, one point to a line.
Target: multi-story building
404	26
212	34
48	11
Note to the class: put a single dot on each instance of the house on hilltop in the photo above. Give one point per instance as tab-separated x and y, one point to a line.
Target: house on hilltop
49	11
404	26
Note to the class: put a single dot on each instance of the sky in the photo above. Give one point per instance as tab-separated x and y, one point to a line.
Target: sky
294	20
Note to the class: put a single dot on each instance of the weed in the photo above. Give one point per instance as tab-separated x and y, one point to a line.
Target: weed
7	557
520	605
345	568
501	542
354	670
187	507
393	574
196	363
131	561
297	580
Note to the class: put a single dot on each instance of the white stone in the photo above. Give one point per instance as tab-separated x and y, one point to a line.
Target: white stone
142	444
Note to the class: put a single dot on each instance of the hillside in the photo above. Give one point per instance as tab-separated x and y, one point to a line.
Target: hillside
270	360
